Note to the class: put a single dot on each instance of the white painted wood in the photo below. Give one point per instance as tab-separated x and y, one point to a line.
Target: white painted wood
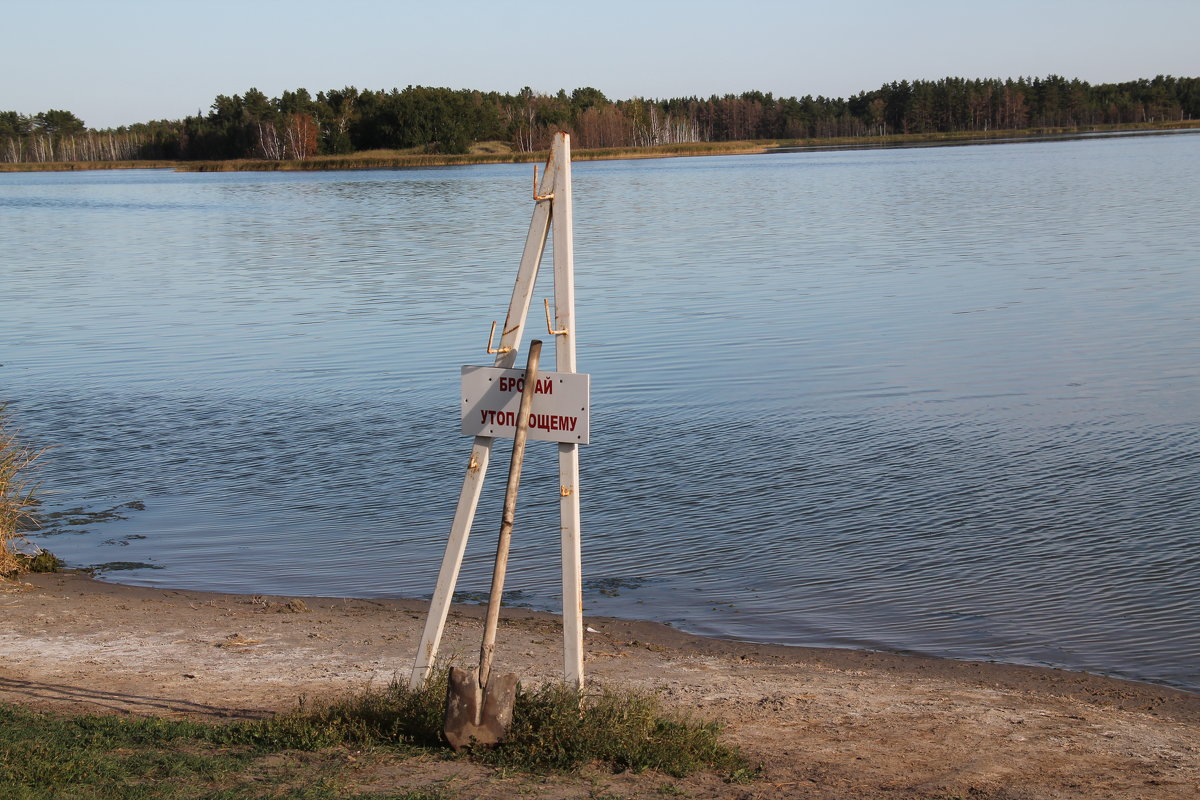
456	546
568	454
481	450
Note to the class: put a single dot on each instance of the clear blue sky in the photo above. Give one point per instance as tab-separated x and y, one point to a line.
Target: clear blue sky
115	62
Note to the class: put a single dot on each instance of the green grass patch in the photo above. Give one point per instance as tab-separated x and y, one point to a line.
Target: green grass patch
302	755
44	756
555	729
41	561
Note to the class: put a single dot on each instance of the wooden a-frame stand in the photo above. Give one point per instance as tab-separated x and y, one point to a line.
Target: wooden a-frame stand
552	205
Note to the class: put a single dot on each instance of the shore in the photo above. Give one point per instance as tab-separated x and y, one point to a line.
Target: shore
824	723
503	153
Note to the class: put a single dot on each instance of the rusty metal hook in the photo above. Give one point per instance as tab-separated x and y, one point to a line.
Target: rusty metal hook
536	196
492	336
549	326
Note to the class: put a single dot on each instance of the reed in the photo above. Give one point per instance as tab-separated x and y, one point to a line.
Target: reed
16	499
74	166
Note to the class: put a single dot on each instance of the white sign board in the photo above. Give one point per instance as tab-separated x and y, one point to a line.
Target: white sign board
491	397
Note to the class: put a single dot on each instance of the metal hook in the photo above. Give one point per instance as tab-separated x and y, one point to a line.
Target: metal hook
536	196
491	336
549	327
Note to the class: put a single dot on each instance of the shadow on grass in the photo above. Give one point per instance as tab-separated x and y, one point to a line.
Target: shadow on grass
121	702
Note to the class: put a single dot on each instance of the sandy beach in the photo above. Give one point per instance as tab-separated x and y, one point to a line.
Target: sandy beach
823	723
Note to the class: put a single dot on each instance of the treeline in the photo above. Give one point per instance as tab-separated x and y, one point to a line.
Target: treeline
297	125
58	135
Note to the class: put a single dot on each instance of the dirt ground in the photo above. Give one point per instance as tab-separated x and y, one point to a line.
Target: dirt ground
823	723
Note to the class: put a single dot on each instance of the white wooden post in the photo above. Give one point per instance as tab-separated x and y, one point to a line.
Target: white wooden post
568	454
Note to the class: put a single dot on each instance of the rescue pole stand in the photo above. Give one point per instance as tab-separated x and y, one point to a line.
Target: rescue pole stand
566	423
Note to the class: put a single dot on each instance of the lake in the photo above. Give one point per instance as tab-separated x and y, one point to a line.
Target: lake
936	400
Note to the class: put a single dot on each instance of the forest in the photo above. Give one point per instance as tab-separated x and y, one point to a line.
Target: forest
298	125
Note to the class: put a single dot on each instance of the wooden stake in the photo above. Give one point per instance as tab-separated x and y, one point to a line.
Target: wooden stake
507	517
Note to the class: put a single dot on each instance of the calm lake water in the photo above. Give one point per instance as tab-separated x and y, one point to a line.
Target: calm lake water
943	401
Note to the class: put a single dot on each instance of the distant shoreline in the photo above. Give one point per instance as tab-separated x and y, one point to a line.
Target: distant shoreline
497	153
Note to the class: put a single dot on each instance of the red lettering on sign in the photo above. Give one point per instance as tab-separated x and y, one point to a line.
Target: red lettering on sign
553	422
493	417
543	385
545	422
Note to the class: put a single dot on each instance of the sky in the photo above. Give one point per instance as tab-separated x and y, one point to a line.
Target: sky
117	62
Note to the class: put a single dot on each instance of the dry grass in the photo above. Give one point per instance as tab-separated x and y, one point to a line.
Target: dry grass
16	496
491	148
73	166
